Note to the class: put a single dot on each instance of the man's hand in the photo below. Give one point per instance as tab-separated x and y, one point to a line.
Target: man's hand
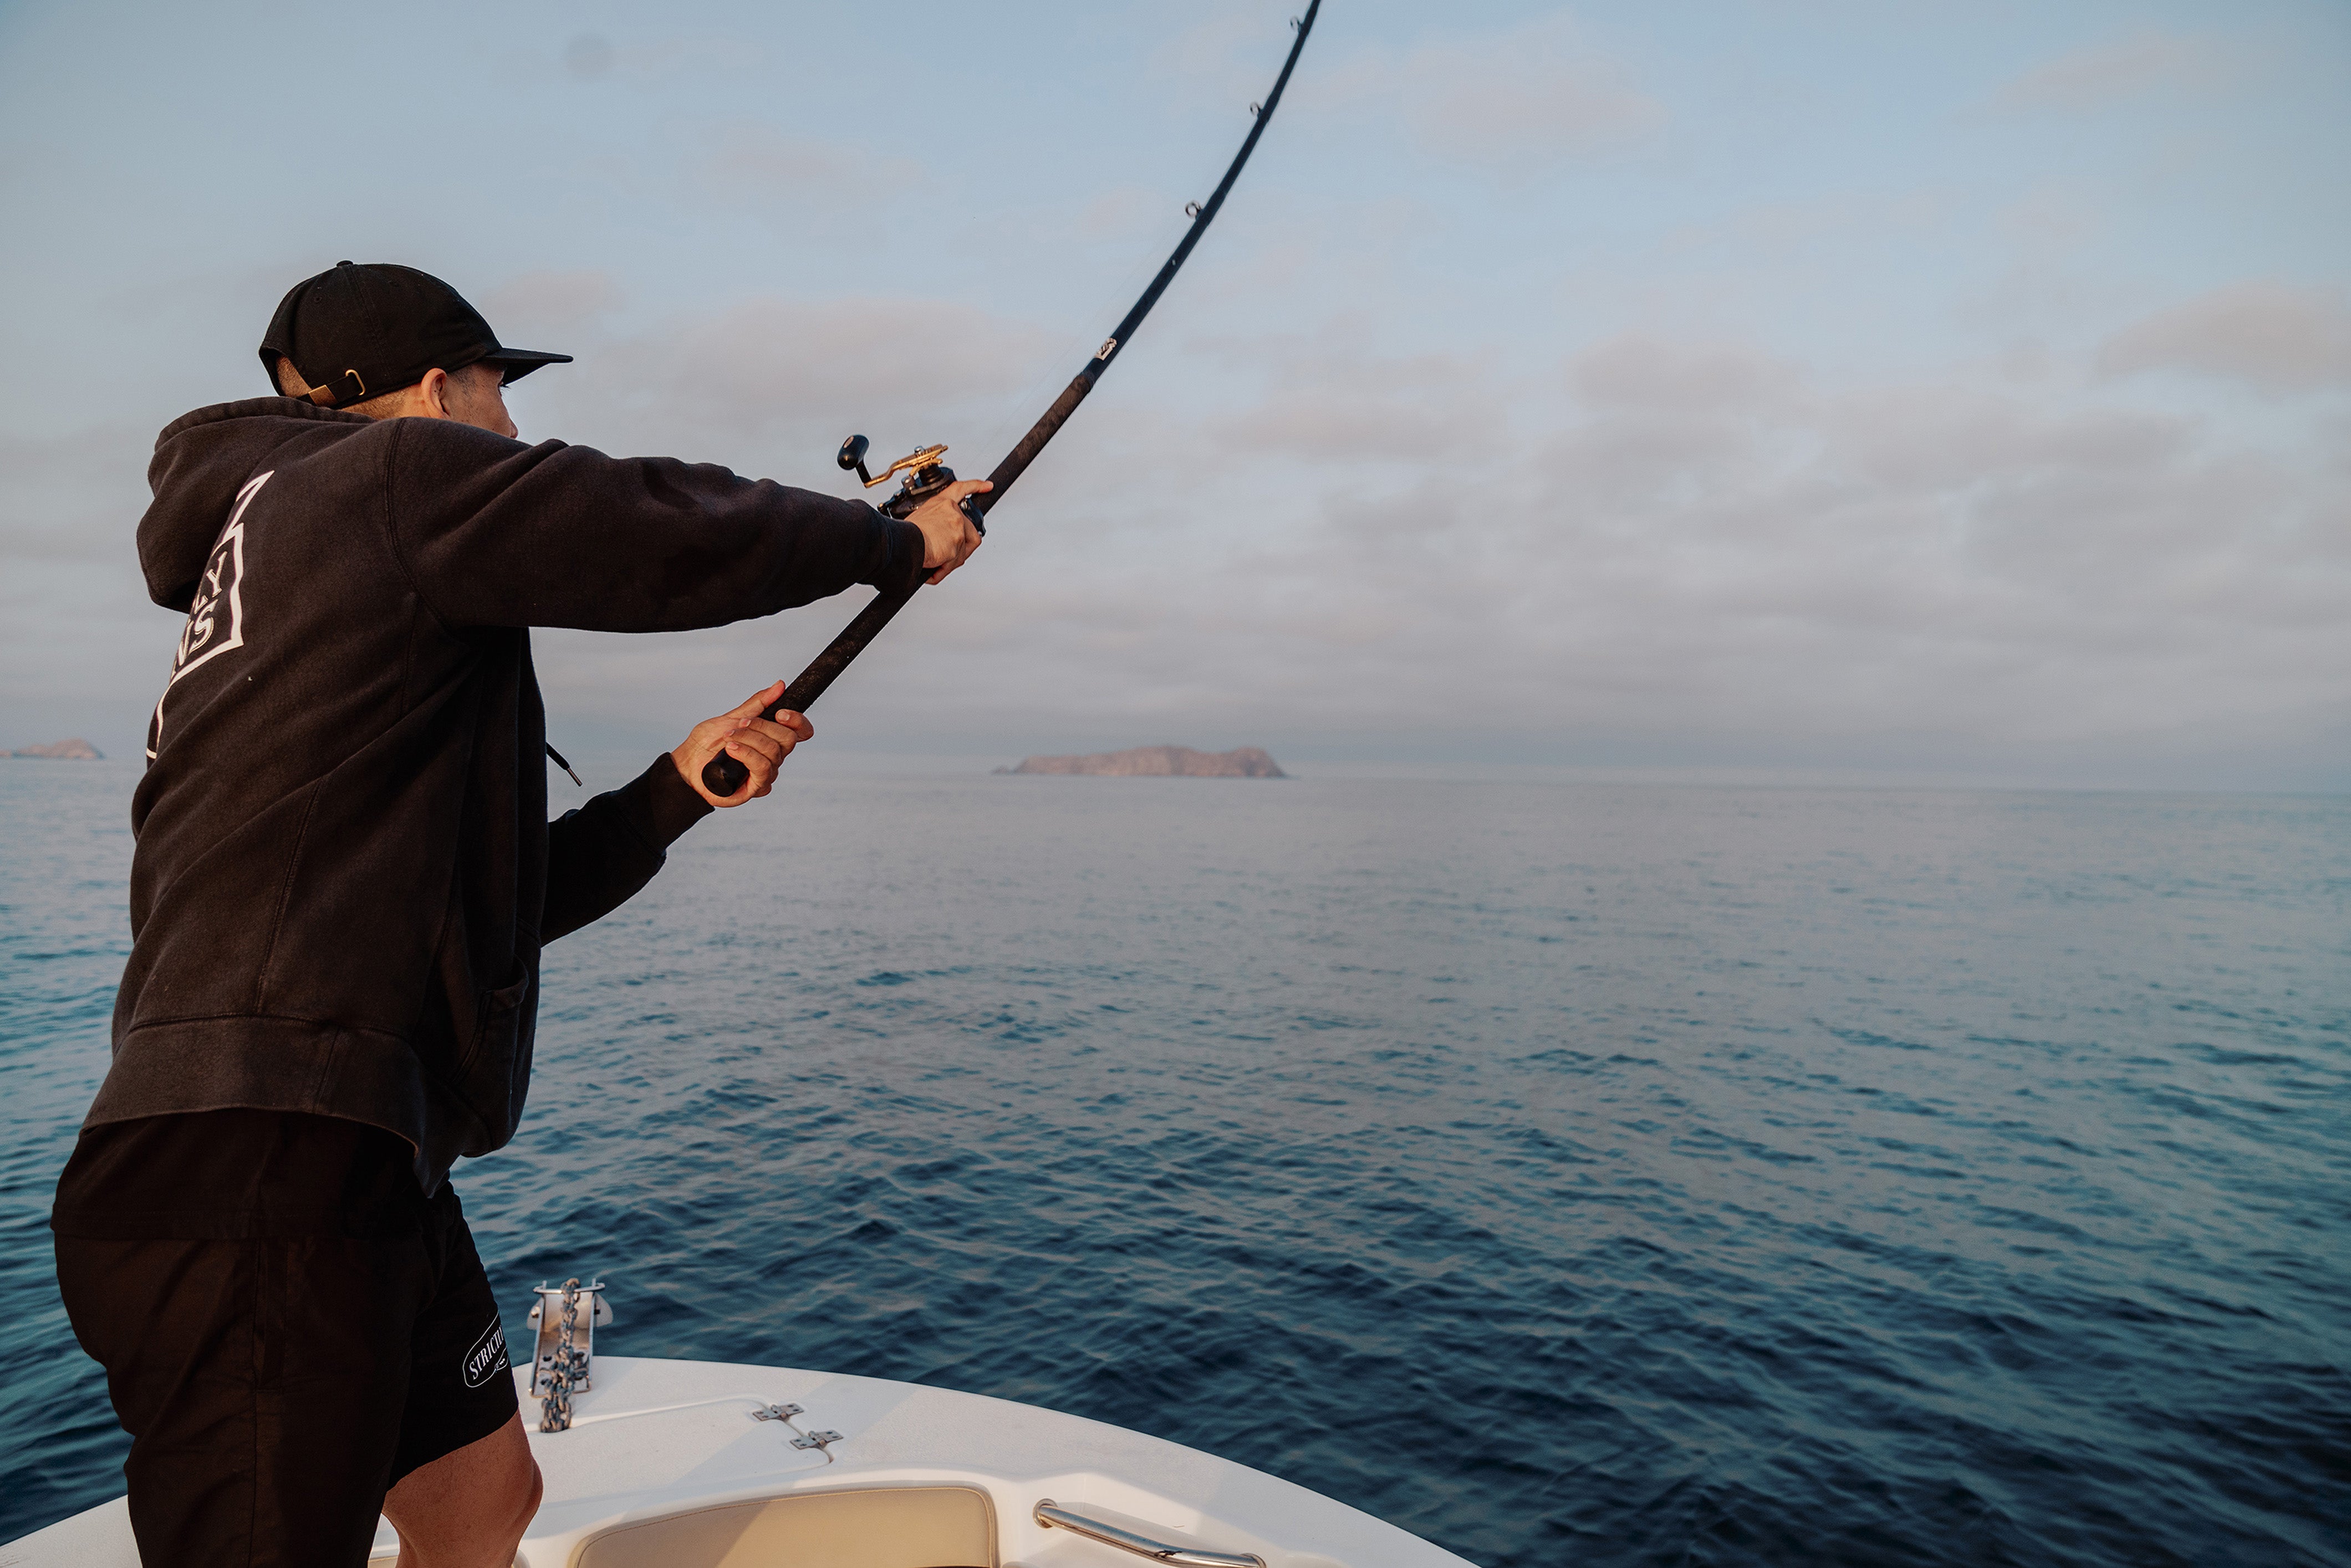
948	537
760	745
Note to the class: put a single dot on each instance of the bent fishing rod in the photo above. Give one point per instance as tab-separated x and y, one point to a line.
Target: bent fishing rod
927	476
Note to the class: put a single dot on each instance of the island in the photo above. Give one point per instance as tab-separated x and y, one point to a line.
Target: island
63	750
1160	762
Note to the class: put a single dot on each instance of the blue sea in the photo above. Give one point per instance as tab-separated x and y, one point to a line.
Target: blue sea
1570	1174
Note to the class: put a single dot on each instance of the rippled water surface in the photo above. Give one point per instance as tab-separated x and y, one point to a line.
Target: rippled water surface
1569	1174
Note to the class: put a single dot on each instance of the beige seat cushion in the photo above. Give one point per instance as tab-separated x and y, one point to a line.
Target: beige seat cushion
875	1527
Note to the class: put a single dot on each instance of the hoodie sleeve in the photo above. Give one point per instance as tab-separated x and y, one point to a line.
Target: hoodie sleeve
494	533
601	854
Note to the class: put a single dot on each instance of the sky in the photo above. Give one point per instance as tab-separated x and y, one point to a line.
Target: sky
1871	392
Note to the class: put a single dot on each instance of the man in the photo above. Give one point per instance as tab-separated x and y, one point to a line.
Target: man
343	876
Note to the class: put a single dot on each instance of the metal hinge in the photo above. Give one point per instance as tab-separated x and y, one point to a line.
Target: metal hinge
821	1441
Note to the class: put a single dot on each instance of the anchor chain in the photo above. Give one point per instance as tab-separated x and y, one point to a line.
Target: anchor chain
562	1366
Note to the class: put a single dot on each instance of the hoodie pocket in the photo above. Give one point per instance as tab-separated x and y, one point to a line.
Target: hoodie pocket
494	1074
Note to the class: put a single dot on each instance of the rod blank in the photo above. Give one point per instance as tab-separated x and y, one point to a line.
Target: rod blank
723	775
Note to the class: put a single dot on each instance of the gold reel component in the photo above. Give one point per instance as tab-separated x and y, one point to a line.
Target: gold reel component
852	456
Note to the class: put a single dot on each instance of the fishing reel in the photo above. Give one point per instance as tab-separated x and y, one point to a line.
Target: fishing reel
926	477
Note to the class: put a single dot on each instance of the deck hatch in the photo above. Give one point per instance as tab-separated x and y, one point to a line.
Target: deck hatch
869	1527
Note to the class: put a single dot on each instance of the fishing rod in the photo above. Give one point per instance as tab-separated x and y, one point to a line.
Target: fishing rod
927	476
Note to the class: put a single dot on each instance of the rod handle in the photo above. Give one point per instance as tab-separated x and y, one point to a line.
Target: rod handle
722	775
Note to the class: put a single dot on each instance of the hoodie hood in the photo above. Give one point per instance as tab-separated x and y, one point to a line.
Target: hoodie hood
201	460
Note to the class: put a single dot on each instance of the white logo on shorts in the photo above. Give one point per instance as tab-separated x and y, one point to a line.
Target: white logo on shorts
488	1354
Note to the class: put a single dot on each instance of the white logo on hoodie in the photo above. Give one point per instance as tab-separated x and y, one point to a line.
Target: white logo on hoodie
217	619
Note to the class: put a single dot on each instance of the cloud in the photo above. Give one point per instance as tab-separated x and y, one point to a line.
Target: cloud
2270	336
74	497
545	303
1124	212
1684	541
1637	369
591	56
2127	68
587	56
770	381
1227	43
1934	558
1708	545
1334	399
1525	97
755	163
1667	542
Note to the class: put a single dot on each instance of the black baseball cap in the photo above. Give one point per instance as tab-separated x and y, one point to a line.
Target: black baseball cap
361	330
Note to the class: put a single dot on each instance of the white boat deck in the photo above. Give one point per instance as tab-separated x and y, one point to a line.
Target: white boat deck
681	1441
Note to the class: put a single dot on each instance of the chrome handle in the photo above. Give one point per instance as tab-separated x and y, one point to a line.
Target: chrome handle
1052	1515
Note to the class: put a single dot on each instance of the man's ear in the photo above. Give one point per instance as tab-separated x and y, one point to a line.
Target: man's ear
432	395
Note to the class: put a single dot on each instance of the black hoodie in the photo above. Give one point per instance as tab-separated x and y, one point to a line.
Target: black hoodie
344	868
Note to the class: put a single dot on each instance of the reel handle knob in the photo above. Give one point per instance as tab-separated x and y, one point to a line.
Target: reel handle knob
852	456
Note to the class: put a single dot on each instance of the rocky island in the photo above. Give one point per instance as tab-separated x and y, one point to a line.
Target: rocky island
1160	762
63	750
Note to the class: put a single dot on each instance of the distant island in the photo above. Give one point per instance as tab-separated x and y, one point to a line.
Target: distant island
1160	762
63	750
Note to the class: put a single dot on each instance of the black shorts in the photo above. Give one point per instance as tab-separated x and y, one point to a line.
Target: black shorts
324	1331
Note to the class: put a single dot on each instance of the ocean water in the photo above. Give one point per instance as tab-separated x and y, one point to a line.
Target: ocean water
1574	1174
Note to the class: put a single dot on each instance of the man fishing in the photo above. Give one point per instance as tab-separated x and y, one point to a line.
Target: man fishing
343	877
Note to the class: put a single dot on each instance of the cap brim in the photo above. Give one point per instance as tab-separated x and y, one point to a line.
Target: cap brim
520	362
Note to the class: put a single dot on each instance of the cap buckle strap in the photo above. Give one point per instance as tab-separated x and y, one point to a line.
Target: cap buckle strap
326	398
